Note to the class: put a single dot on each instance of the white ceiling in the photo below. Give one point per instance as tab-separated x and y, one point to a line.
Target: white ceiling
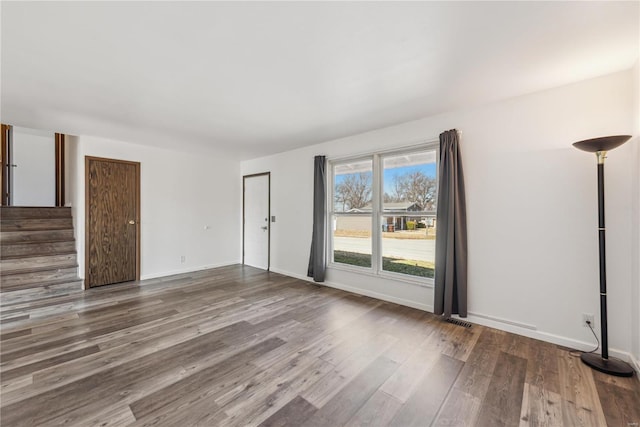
259	78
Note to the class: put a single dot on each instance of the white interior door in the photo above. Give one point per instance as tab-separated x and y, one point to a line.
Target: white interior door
34	177
256	221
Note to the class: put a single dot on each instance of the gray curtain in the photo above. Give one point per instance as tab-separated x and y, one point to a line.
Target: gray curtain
450	293
317	260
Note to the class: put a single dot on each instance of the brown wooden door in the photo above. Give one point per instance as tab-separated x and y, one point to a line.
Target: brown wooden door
112	223
7	166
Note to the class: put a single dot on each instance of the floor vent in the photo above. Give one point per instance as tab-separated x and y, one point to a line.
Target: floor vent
459	322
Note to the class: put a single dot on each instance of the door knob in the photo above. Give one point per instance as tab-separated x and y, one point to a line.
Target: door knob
131	222
264	228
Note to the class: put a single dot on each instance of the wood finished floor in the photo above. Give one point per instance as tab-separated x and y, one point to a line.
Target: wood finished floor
239	346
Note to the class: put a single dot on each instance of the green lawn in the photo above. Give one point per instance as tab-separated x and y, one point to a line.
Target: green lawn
396	265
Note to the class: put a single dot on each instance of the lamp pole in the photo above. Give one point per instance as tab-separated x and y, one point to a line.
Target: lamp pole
603	362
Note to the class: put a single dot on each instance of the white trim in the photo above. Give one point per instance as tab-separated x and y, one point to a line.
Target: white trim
376	295
636	365
407	278
188	270
376	206
410	146
532	331
368	271
505	321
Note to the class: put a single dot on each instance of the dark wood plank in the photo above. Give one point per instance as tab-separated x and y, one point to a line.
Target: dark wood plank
201	413
540	407
379	410
427	398
47	363
542	366
261	396
13	319
630	383
460	409
463	404
328	386
478	370
121	324
16	334
348	401
195	385
293	414
502	404
621	406
79	398
580	402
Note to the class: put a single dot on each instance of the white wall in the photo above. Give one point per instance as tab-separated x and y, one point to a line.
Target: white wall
34	178
635	197
532	210
181	194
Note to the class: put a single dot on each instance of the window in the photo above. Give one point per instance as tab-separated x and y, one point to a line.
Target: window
352	213
383	213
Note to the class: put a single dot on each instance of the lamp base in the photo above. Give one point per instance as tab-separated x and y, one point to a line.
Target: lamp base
611	366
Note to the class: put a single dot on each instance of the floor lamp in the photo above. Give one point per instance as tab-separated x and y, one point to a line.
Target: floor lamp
602	362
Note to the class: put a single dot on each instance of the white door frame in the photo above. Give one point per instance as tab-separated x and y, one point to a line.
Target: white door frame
244	178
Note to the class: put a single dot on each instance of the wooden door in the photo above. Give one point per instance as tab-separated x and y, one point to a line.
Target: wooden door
112	252
7	166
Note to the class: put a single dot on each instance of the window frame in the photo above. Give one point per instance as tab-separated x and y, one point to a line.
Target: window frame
332	213
377	211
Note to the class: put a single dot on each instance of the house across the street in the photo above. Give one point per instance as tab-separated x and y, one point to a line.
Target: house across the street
395	217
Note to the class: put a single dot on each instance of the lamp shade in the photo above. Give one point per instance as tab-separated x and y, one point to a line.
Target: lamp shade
604	143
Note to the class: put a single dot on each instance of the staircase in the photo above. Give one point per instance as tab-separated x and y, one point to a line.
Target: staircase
37	253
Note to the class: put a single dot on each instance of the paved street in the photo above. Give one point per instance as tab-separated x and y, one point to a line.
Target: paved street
422	250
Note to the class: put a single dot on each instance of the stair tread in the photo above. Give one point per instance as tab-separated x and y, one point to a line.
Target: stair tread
70	252
33	235
37	242
45	257
37	278
5	273
34	212
41	285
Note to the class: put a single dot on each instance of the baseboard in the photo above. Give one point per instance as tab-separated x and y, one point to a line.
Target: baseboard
187	270
636	365
502	324
532	331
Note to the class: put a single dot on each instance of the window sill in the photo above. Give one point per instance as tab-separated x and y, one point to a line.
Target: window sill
385	275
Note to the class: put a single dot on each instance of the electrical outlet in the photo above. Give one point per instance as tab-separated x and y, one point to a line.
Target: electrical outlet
182	259
588	319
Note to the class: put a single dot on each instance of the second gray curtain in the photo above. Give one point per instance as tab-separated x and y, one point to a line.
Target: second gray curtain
450	292
318	258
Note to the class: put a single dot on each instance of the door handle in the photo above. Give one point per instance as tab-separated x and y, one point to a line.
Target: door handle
264	228
131	222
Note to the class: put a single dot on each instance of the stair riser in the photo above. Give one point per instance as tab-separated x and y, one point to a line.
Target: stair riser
37	253
12	212
34	292
9	266
35	236
36	249
36	224
20	280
